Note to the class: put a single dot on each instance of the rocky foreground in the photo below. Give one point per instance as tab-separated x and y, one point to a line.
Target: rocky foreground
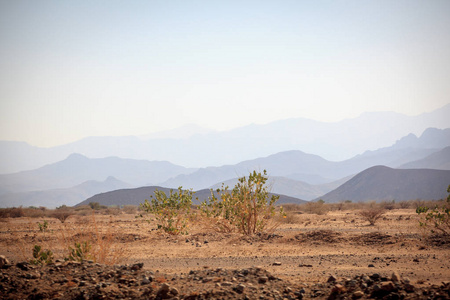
89	280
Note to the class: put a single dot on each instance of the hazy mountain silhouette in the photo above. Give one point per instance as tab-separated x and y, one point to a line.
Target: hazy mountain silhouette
314	169
286	167
383	183
439	160
293	188
57	197
138	195
77	168
334	141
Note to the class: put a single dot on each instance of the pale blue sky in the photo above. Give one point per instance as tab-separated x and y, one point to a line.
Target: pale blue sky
71	69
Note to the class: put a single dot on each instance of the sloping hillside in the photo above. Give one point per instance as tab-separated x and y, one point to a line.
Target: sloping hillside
138	195
439	160
383	183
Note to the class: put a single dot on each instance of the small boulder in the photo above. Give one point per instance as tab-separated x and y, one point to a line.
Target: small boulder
338	289
395	277
332	279
3	261
163	290
357	295
387	286
240	288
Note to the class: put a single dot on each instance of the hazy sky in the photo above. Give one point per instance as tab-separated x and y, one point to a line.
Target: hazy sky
71	69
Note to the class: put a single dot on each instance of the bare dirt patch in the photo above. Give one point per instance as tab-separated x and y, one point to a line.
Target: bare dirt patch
302	256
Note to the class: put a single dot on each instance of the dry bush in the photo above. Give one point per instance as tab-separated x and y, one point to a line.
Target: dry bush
87	240
13	212
405	204
372	215
62	214
33	212
291	207
388	205
83	210
419	203
130	209
112	211
318	208
289	217
18	212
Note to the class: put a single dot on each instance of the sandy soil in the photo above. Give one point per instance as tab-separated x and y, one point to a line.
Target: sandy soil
308	250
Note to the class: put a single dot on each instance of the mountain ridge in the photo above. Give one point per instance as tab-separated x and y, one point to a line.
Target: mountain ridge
286	166
381	183
64	196
334	141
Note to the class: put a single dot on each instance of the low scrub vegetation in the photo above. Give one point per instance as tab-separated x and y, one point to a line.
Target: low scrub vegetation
171	212
246	209
63	212
75	241
318	208
437	217
372	214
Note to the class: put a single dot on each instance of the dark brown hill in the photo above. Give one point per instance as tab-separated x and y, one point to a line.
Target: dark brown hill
138	195
383	183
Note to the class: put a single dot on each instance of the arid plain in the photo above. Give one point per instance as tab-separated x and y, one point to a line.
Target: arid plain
305	248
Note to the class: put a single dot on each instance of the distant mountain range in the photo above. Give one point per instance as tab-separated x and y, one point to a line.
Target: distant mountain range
77	169
335	141
382	183
292	173
57	197
138	195
314	169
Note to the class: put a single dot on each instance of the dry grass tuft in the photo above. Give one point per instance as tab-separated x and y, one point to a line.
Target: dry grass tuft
372	215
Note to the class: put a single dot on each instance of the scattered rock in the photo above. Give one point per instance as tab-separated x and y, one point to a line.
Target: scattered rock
338	289
263	279
163	290
357	295
387	286
3	261
331	279
277	263
94	281
240	288
395	277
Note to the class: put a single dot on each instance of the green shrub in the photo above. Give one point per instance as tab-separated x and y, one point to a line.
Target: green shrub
438	217
246	209
172	212
41	257
80	251
43	227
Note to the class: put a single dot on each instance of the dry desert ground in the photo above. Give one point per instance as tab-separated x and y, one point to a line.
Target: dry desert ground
334	255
